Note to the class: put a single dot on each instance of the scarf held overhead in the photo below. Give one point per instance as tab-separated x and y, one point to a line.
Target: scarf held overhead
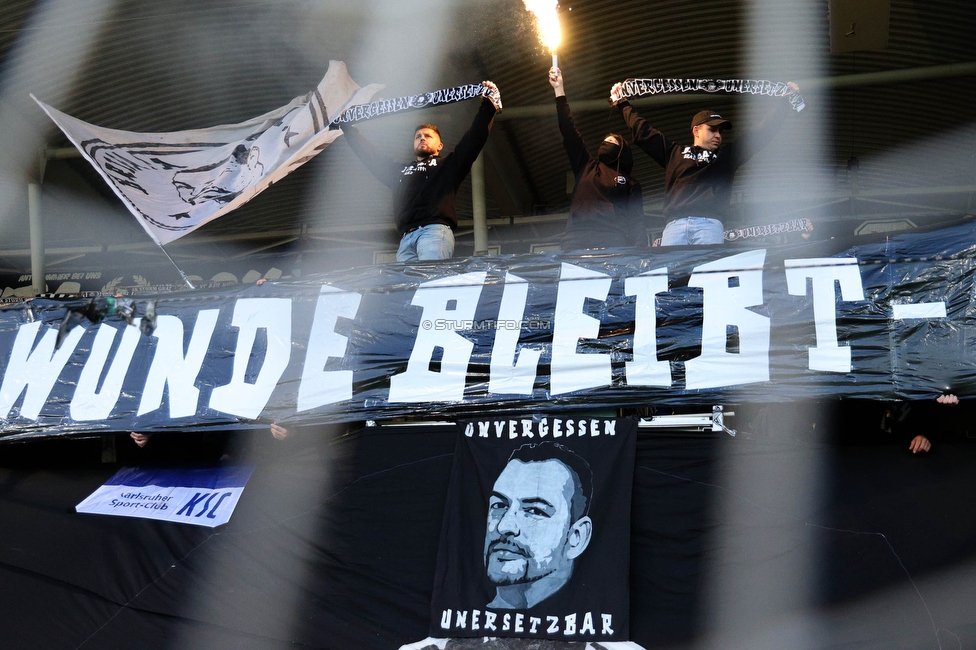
413	102
632	88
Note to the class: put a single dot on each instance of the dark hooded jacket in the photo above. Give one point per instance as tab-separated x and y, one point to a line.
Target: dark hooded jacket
607	207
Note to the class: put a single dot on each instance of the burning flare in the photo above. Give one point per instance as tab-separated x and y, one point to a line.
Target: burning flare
547	22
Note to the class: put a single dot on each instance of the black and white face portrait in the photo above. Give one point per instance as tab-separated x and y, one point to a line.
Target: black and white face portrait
221	182
537	525
541	509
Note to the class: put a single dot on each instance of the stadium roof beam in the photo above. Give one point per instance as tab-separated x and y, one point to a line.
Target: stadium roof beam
335	233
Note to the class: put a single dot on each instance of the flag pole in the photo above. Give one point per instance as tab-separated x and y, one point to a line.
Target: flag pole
182	274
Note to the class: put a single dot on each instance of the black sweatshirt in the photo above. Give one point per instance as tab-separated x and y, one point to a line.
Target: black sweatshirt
424	190
607	204
698	182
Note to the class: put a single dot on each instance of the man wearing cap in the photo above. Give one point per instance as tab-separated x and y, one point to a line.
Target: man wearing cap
698	178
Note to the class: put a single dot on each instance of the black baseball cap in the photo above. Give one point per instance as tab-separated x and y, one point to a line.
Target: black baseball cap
711	118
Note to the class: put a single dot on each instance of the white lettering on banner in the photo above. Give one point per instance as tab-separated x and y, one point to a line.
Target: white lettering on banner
508	376
240	397
918	310
731	285
735	345
171	369
88	403
36	371
570	628
645	369
540	428
319	386
570	370
453	299
587	626
824	272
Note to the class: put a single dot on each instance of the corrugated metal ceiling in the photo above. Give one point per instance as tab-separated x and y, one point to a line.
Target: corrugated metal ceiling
180	64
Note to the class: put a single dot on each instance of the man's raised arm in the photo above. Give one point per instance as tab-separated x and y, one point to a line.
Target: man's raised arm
652	141
474	140
572	140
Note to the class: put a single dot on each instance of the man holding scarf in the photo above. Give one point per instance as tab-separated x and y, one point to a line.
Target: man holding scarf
698	178
424	189
607	207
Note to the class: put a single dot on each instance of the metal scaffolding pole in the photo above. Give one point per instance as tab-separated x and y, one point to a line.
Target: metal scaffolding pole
36	237
478	209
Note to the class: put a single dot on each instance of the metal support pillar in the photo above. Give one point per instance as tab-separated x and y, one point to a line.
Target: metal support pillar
478	209
36	237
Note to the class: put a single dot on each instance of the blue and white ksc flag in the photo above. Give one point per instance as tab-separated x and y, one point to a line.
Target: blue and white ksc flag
175	182
202	497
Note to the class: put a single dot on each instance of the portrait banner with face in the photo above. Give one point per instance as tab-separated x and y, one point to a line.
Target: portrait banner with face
536	535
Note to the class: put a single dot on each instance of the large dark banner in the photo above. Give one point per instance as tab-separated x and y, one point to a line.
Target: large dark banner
334	545
536	535
886	320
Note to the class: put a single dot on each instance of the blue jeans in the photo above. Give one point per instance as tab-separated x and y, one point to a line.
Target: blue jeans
694	231
433	242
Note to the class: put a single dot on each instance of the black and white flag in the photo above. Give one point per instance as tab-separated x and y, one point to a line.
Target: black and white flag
177	181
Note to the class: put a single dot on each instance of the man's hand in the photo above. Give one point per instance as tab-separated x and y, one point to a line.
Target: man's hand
919	444
494	95
617	94
140	438
796	101
279	432
556	81
948	398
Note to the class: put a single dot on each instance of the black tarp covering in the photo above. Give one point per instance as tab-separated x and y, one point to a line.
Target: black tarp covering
333	544
885	320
